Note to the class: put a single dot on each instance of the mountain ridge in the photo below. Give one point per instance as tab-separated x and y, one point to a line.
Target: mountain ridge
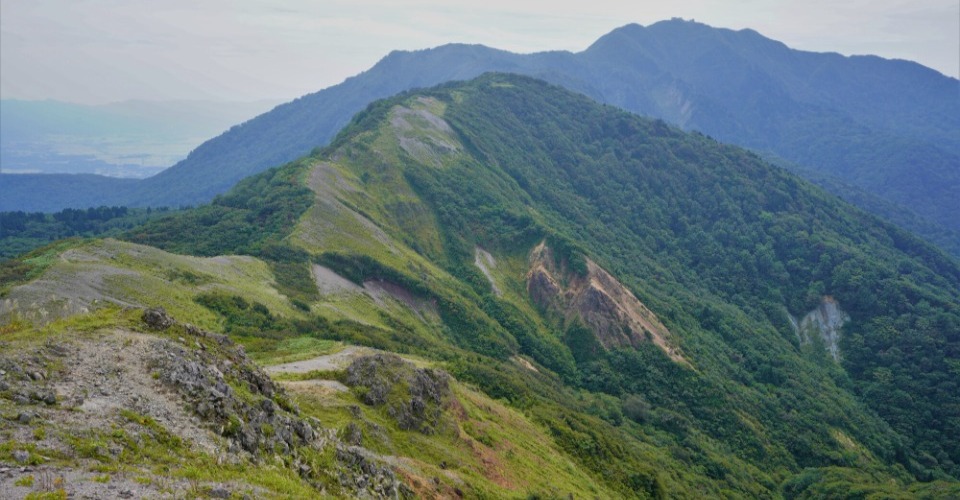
848	116
373	241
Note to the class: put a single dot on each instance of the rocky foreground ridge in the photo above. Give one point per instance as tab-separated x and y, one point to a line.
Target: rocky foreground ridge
88	416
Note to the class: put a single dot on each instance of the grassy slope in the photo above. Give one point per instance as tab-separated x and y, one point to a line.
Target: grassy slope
748	340
143	454
130	274
413	216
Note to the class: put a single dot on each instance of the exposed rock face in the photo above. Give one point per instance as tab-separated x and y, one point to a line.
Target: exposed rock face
365	474
543	288
824	322
265	422
607	308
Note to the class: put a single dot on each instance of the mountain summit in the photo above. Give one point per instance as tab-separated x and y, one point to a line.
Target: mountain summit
883	134
521	280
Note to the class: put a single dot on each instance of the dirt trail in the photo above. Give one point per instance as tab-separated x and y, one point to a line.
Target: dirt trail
328	362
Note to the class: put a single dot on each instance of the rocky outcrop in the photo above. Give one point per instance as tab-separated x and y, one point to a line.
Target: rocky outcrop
362	471
179	380
414	397
157	318
263	421
824	323
600	301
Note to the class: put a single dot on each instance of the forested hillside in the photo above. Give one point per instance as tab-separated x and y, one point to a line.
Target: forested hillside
667	315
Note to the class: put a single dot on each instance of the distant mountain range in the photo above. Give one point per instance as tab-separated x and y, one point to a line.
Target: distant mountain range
888	128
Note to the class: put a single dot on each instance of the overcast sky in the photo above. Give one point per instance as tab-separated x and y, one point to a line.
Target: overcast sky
96	51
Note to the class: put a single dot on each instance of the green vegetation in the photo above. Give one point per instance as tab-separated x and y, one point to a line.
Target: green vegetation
721	246
21	232
292	349
649	201
30	265
255	215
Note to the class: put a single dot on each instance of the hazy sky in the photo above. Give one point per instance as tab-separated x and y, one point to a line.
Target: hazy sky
95	51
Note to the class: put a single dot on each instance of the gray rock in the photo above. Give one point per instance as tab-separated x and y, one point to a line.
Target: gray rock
304	430
157	318
248	440
25	417
353	435
43	395
21	456
220	492
268	406
418	394
261	424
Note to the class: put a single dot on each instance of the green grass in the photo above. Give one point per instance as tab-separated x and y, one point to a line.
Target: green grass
268	352
32	264
157	452
518	459
58	494
136	274
108	316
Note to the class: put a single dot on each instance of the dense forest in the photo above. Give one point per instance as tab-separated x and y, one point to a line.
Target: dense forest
689	214
21	231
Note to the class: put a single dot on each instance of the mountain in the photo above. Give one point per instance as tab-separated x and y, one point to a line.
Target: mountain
123	139
887	128
500	288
